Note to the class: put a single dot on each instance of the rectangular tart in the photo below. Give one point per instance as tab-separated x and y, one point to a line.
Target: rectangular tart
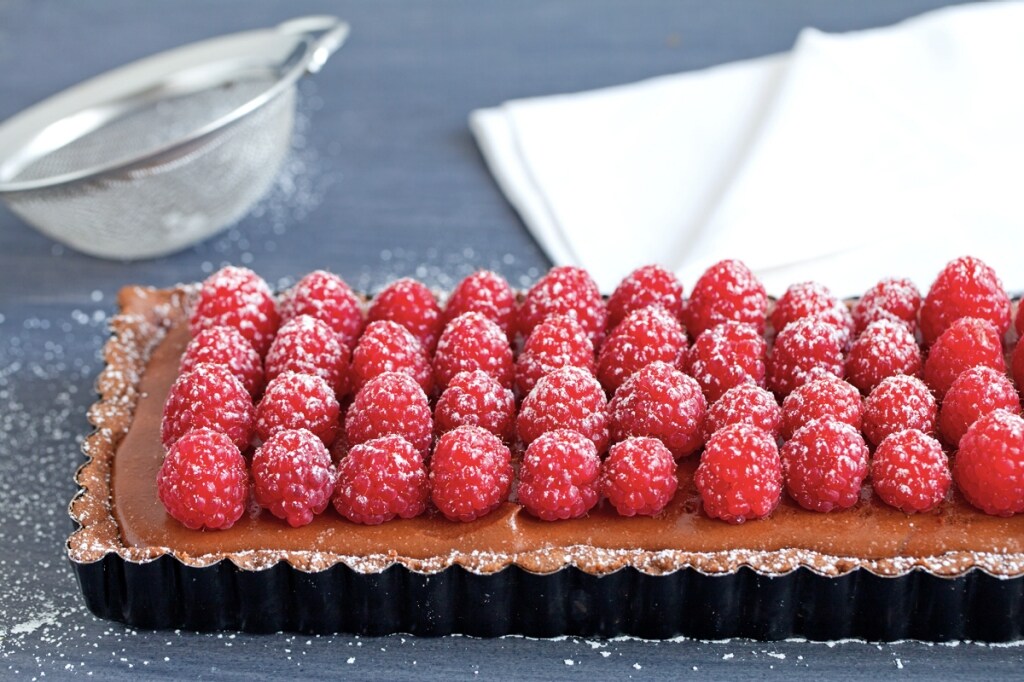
870	571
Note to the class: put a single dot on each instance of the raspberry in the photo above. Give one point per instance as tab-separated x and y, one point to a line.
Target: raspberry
967	342
558	478
884	349
298	401
412	305
381	479
890	299
476	399
568	398
389	347
292	476
650	285
898	403
966	287
305	344
824	465
976	392
565	290
989	466
661	402
639	477
910	471
740	475
559	341
328	298
471	342
390	403
727	355
825	398
810	299
805	349
745	404
470	473
727	291
487	293
1017	364
203	483
238	298
225	346
646	335
209	396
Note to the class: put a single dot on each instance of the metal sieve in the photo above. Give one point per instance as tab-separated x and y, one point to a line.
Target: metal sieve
148	158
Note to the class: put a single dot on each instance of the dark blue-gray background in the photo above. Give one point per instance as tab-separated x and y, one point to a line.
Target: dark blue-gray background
385	181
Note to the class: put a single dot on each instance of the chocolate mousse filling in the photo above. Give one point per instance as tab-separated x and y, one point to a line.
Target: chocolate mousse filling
118	510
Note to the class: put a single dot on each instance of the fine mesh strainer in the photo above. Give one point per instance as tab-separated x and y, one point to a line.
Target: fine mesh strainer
156	155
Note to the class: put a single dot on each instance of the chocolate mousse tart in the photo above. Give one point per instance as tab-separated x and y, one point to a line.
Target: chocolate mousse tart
868	572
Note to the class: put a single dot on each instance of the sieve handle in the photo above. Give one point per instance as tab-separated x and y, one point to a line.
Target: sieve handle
327	33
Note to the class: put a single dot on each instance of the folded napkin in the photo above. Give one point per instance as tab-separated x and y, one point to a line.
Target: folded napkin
856	156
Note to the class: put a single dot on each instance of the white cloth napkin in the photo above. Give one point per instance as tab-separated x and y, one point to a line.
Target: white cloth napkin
854	157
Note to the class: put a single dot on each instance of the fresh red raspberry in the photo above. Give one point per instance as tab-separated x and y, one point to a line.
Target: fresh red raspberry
651	285
890	299
476	399
740	475
910	471
558	478
225	346
745	404
568	398
292	476
898	403
203	482
884	349
825	398
727	355
1017	364
389	347
471	342
661	402
966	287
824	465
380	479
470	473
487	293
209	396
559	341
989	466
298	401
412	305
328	298
967	342
727	291
646	335
805	349
976	392
639	477
305	344
811	299
238	298
390	404
565	290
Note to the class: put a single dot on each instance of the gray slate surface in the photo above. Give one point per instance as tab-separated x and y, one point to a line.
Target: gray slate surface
385	181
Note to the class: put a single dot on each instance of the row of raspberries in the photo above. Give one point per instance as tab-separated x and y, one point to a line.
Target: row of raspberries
559	397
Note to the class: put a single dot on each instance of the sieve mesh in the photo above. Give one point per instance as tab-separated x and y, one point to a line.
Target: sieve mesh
147	127
160	207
